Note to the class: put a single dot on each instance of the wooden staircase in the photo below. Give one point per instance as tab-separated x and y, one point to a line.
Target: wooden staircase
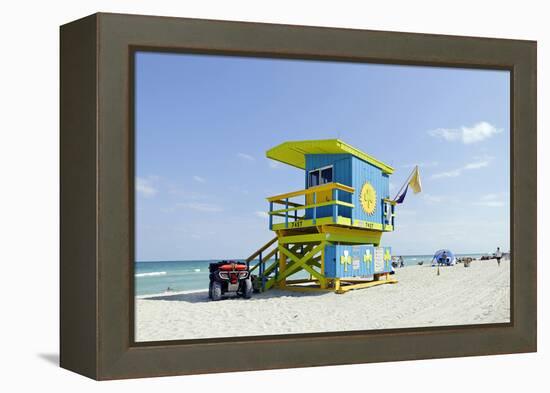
267	262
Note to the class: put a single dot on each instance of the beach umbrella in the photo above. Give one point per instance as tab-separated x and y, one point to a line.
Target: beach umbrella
451	260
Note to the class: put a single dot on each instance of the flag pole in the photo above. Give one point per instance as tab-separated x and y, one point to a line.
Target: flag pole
406	182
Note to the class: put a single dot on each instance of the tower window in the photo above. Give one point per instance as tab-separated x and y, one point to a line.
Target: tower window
326	175
320	176
313	178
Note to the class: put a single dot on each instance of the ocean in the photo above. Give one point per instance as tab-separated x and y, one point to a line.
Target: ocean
157	276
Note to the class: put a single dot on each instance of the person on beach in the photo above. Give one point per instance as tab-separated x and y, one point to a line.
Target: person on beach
443	259
401	262
498	255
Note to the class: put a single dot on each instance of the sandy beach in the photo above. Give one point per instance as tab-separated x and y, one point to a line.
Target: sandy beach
478	294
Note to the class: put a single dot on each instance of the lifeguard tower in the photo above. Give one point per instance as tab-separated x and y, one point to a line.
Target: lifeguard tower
328	235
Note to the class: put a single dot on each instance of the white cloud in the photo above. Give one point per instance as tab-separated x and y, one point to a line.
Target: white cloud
261	214
245	156
199	179
274	164
450	135
492	200
453	173
478	163
145	188
490	203
432	198
476	133
200	206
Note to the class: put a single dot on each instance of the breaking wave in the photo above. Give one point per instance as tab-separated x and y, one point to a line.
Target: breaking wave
151	274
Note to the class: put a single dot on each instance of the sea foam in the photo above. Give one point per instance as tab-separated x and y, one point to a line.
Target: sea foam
150	274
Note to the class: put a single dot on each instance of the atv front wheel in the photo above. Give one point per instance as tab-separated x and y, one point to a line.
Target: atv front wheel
216	291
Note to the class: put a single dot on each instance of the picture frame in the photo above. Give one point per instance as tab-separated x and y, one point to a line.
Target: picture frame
97	200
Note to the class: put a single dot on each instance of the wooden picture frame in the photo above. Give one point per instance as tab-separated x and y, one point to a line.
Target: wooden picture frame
97	196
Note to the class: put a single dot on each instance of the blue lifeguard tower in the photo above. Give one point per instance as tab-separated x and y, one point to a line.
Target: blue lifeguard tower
332	228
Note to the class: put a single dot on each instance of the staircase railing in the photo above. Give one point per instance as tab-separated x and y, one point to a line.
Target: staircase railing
261	265
260	250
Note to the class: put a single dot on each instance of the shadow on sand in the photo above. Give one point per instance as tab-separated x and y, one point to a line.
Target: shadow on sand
202	297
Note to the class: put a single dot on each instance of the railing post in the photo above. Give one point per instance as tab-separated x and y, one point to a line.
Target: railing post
314	207
351	215
262	270
335	206
270	216
351	208
286	213
260	267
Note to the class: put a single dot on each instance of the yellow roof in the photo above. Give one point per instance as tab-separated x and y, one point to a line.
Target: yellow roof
294	152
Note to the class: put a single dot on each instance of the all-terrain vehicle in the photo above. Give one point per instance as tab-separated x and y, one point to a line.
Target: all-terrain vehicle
229	277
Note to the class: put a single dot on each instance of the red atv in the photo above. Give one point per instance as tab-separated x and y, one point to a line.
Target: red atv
229	277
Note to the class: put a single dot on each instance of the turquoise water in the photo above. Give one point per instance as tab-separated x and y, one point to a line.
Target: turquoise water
158	276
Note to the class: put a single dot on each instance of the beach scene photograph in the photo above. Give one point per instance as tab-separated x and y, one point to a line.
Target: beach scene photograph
286	196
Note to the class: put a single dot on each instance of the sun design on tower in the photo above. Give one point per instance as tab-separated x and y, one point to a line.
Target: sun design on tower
368	198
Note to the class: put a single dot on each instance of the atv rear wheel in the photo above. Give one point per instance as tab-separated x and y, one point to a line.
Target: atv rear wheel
247	288
256	284
216	291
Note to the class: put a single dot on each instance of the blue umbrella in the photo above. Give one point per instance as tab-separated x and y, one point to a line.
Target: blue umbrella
444	257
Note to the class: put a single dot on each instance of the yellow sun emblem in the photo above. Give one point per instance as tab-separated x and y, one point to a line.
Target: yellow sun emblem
368	198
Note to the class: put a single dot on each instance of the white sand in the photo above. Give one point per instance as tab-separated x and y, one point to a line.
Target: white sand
459	296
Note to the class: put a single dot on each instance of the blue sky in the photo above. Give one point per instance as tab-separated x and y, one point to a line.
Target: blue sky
203	124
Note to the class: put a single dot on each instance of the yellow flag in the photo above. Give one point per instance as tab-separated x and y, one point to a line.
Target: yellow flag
414	183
